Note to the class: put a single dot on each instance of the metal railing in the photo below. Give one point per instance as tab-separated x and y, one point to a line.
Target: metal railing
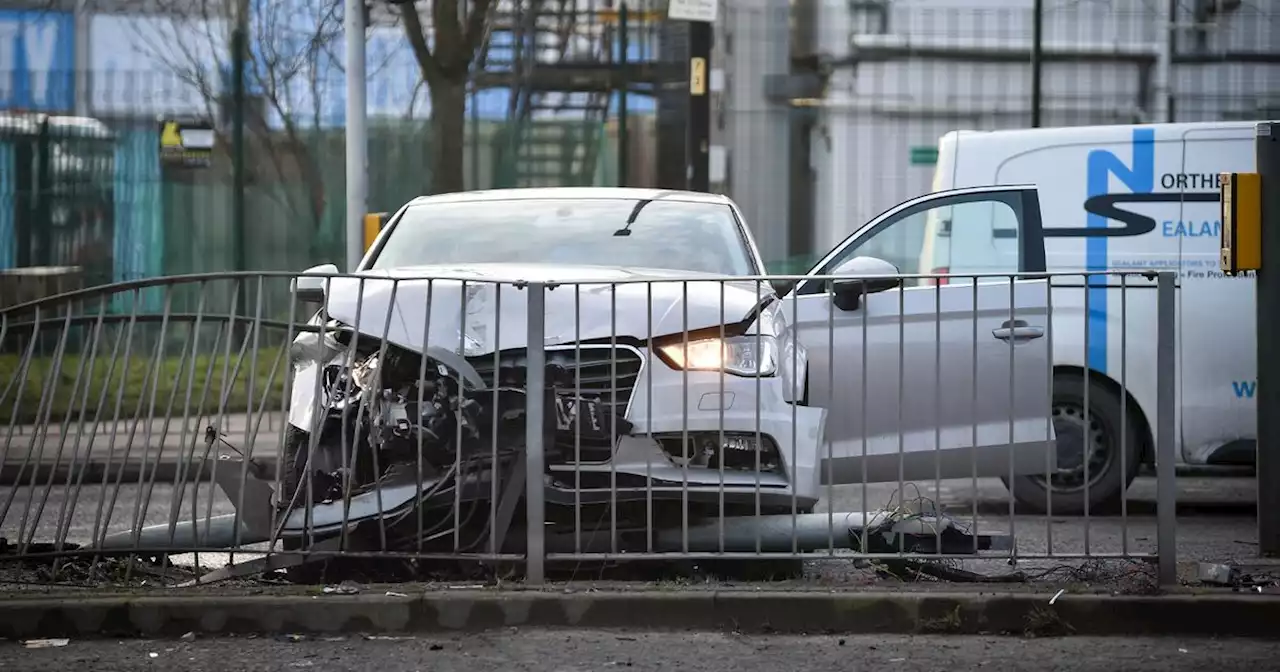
220	421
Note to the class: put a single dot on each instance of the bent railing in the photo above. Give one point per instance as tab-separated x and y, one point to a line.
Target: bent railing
216	425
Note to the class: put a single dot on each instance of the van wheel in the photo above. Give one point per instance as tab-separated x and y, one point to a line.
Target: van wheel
1098	442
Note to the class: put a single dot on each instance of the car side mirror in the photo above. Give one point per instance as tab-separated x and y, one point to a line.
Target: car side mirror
310	287
874	275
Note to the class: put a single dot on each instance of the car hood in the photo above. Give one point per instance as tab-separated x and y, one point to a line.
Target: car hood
484	307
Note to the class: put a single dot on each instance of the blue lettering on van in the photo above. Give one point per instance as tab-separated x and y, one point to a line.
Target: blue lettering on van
1205	228
1244	389
1140	179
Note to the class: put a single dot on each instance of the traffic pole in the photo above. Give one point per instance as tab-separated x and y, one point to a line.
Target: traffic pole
1268	308
357	131
699	144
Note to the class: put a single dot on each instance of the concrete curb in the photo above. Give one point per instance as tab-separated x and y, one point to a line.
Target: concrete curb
783	612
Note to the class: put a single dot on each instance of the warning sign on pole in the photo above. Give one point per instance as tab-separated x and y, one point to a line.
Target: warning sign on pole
693	10
186	144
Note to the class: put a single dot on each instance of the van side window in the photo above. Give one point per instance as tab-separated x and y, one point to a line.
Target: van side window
969	237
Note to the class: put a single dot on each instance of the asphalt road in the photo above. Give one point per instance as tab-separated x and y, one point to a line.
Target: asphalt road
1215	523
580	651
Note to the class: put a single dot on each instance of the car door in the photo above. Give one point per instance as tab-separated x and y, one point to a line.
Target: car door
946	378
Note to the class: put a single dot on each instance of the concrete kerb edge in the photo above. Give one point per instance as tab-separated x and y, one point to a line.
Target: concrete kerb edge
779	612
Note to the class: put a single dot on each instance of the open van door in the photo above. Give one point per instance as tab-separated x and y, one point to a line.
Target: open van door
933	378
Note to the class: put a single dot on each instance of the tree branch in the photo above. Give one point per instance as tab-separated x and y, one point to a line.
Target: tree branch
427	64
477	21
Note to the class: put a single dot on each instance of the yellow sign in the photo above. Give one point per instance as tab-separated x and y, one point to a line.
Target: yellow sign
187	145
1241	223
698	76
170	137
373	223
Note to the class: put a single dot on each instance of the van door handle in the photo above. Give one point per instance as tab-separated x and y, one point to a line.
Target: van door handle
1017	331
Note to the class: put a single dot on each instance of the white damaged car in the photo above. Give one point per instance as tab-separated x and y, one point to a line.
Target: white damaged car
676	381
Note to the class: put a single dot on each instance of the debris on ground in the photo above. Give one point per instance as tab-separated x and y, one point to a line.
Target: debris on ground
344	588
44	643
1223	574
1217	573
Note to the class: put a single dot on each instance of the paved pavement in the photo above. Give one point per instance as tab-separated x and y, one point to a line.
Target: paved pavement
1216	521
582	650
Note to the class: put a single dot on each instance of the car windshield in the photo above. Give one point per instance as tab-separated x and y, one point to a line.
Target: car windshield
666	234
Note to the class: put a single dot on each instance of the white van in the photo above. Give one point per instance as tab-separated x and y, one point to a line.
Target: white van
1123	197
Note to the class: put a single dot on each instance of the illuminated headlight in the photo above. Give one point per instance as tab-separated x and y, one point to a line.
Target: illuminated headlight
750	355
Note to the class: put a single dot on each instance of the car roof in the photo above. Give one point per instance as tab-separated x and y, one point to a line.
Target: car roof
572	193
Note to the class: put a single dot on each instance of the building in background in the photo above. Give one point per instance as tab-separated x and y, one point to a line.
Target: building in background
900	74
824	112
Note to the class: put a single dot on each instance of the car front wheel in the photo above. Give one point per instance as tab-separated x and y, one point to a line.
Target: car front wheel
1098	454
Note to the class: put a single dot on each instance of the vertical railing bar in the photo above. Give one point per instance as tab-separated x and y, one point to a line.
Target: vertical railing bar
831	390
862	301
224	391
684	421
281	437
459	521
1013	400
577	418
795	435
349	449
973	418
494	463
937	409
101	516
69	504
648	422
374	450
535	514
43	412
759	416
157	365
422	376
1124	413
1166	484
178	492
1049	435
62	438
902	402
1089	281
613	417
720	456
208	448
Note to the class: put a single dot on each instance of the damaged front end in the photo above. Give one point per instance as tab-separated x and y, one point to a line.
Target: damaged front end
371	420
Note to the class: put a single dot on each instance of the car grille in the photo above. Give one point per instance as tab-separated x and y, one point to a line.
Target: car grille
593	370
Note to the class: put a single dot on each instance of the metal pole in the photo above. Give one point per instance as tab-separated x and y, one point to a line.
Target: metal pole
624	143
1164	59
1268	309
1037	62
83	58
357	133
699	145
239	55
1166	475
535	459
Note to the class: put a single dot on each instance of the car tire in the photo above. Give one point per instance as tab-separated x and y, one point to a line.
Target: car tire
1107	479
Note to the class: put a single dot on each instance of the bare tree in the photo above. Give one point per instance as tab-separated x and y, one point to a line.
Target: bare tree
292	68
445	66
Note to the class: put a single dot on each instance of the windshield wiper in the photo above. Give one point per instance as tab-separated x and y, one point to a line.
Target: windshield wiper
635	212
